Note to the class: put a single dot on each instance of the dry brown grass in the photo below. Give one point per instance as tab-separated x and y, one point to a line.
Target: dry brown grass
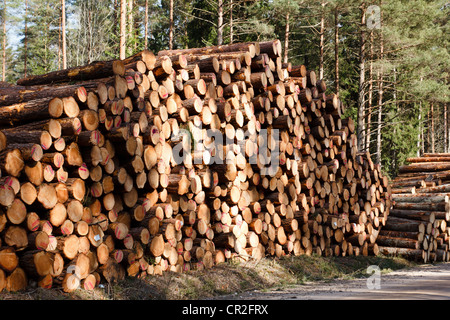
224	279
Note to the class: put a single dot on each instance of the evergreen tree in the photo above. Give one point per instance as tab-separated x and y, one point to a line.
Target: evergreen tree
416	73
392	75
91	33
38	50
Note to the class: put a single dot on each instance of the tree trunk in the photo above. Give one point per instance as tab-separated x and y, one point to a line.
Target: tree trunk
59	42
322	39
336	49
414	254
370	97
146	25
398	242
445	128
422	131
244	47
380	99
171	25
447	131
4	43
220	23
95	70
425	167
231	21
432	127
419	135
130	27
25	41
428	130
122	45
286	39
186	38
361	91
63	31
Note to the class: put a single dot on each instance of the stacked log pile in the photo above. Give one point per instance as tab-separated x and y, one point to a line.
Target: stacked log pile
178	161
417	225
429	170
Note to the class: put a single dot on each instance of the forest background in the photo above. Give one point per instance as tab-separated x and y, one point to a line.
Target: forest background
387	60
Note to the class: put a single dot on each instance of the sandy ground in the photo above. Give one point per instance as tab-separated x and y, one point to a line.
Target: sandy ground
426	282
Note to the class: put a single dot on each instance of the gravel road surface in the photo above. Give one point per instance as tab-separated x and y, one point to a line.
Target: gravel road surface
426	282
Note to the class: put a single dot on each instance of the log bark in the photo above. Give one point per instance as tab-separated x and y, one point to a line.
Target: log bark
413	254
95	70
16	95
425	167
397	242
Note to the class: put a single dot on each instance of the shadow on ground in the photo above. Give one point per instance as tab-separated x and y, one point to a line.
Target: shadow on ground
224	279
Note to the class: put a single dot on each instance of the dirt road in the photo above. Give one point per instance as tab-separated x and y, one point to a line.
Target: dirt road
426	282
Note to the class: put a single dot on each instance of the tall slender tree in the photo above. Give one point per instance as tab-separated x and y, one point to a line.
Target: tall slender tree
146	25
219	22
287	9
380	93
445	128
60	43
123	23
433	136
171	24
286	39
4	42
362	80
63	34
95	33
336	49
25	41
322	39
131	41
231	22
38	47
370	94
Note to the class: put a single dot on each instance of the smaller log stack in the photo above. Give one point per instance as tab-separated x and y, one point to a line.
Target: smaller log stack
429	170
94	187
417	225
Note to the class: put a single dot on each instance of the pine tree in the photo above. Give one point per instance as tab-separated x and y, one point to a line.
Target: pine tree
287	11
38	50
4	41
123	34
63	34
92	36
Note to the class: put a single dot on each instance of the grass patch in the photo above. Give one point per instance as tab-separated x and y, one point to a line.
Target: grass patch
318	268
224	279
